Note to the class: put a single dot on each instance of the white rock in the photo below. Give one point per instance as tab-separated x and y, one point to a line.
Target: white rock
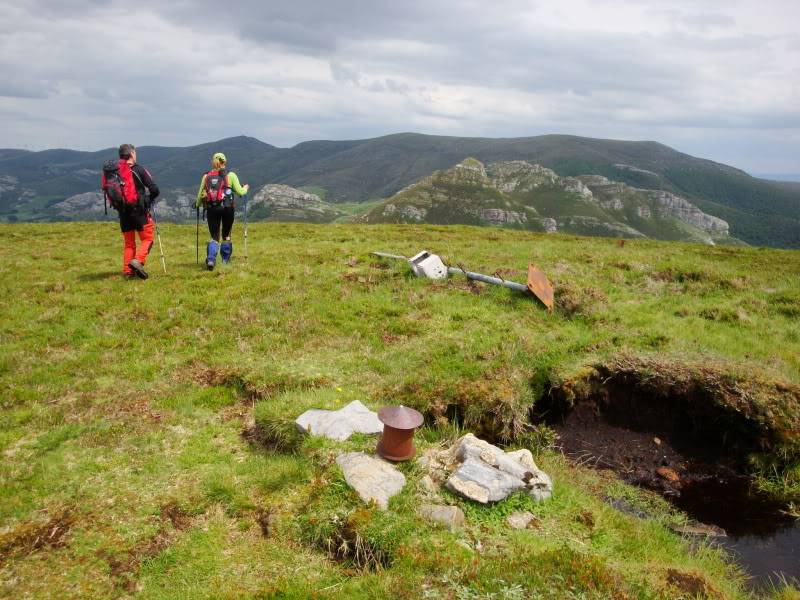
340	424
478	481
451	517
520	520
374	480
487	474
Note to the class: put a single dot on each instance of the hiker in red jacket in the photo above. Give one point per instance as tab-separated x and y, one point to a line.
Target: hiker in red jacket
134	211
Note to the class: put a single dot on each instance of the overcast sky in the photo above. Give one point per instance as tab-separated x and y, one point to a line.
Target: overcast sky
716	79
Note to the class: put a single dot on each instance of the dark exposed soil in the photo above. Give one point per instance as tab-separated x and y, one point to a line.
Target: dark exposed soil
32	536
689	449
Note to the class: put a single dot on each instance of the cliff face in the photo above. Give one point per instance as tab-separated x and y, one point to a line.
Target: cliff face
680	208
285	203
524	195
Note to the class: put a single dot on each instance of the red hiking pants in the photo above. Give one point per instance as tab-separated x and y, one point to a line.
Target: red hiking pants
129	251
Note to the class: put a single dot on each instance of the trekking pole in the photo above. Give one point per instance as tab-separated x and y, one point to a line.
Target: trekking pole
245	226
160	247
197	238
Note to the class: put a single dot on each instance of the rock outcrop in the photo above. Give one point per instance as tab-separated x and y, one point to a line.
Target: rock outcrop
285	203
524	195
670	205
340	424
479	471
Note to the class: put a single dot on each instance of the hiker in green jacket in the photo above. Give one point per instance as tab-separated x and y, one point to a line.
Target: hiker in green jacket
216	196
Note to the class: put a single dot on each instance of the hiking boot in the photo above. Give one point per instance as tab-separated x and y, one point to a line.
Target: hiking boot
226	250
138	269
212	248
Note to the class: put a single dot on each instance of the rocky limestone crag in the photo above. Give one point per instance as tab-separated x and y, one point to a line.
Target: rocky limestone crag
576	186
374	479
550	225
477	470
81	203
498	216
340	424
524	195
408	212
670	205
287	203
520	176
613	203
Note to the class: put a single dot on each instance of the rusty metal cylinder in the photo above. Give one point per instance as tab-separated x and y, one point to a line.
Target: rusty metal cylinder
399	423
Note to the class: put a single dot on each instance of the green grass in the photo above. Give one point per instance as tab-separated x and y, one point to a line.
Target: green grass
124	403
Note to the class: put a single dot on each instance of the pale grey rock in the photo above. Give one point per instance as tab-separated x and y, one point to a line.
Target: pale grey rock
428	484
472	165
498	216
540	486
671	205
374	479
522	456
487	474
452	517
644	212
408	212
520	519
291	204
613	203
576	186
340	424
478	481
86	202
519	176
550	225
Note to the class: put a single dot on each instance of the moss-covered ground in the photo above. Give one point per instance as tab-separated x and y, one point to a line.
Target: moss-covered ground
123	404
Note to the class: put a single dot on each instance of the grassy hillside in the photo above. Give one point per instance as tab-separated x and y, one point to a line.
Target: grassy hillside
760	212
124	466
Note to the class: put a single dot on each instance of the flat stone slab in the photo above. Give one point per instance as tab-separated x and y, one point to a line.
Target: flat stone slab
339	424
451	517
478	481
520	519
374	479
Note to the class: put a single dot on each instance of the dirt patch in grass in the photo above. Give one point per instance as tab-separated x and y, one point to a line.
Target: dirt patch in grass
124	567
33	536
694	585
252	389
176	515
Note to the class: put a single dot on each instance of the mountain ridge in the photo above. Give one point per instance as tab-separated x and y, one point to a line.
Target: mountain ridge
760	212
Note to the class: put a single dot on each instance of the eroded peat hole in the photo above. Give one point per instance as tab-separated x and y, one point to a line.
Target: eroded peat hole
690	437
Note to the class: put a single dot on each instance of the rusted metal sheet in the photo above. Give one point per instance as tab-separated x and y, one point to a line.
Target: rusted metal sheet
540	286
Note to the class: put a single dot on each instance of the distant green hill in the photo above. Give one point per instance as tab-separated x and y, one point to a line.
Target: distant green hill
759	211
521	195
